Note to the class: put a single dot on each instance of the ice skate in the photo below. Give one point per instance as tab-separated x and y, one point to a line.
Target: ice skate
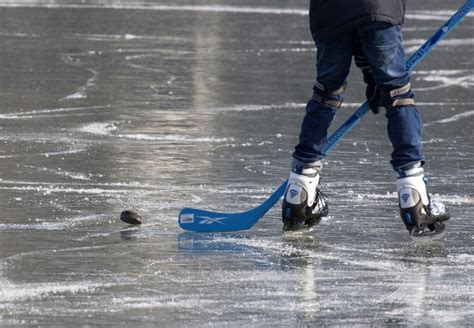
304	204
422	216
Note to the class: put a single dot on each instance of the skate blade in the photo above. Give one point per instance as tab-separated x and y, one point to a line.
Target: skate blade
427	236
300	231
427	239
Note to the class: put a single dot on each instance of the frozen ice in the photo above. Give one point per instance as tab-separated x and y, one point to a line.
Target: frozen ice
156	106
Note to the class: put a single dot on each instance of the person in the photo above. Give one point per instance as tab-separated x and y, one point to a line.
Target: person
370	32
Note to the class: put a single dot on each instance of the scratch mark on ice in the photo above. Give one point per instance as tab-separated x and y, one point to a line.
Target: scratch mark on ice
81	92
453	118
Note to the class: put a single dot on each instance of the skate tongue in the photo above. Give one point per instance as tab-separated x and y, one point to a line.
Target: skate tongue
309	172
415	170
437	208
308	169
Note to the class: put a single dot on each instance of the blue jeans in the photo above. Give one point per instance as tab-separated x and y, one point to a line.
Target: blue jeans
382	46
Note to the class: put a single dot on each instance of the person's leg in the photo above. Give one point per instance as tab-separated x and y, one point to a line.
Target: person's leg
333	61
382	46
304	204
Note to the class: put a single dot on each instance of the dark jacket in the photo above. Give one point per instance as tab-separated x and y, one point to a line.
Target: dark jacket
330	17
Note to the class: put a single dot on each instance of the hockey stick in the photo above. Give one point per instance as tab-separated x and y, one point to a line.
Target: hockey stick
208	221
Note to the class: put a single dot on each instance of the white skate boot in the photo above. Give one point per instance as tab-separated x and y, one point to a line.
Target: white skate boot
304	204
422	216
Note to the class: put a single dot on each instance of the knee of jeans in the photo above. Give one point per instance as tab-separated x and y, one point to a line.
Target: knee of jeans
322	111
329	97
397	97
398	117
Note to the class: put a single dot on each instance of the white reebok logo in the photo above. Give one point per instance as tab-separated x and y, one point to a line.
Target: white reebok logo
209	220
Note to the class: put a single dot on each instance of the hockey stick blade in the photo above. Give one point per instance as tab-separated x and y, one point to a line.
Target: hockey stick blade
208	221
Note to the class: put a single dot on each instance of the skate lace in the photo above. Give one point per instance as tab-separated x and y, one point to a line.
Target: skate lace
436	208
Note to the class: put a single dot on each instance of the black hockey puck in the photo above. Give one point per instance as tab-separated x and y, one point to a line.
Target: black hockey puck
131	217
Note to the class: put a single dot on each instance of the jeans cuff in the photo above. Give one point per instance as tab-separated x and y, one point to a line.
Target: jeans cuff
298	166
406	167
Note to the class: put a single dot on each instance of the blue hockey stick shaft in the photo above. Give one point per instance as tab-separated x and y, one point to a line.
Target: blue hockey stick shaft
208	221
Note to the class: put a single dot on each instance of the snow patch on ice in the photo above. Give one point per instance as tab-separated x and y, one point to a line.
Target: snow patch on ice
173	138
412	45
454	199
63	223
448	199
74	175
429	15
437	15
285	249
32	291
160	302
446	78
434	141
253	108
34	226
66	190
46	154
126	36
284	50
46	112
17	34
101	129
139	6
418	103
63	152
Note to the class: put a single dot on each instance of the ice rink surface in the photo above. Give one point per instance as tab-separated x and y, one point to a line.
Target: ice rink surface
159	105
